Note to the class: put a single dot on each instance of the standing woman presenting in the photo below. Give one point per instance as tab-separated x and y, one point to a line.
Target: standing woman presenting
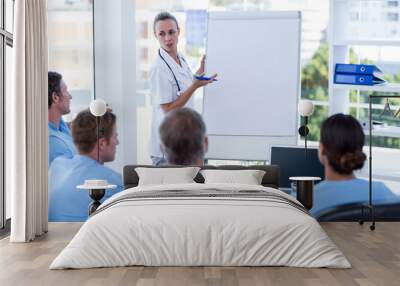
171	81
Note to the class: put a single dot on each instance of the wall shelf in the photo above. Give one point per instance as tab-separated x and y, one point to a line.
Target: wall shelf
391	131
387	131
386	87
368	42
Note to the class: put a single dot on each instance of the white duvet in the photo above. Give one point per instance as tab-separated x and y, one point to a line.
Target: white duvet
200	231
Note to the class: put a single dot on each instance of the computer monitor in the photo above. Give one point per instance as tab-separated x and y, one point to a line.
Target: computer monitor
293	161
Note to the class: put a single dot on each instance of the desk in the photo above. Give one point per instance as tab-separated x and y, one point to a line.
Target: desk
305	190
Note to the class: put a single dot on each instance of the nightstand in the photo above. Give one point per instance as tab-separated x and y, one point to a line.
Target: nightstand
305	189
97	190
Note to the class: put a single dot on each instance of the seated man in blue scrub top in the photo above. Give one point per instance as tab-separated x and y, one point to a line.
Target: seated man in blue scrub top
340	151
66	202
60	139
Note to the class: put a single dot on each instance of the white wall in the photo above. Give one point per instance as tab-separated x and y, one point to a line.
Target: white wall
115	72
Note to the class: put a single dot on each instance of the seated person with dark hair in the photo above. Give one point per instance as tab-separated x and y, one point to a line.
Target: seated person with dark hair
340	151
59	99
66	202
183	137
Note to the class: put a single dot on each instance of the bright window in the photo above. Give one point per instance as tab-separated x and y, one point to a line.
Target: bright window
70	43
192	16
380	23
366	20
9	15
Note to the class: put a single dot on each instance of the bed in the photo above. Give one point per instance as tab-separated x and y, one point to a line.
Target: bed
201	224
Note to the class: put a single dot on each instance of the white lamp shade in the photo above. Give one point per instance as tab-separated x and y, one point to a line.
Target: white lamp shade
98	107
306	108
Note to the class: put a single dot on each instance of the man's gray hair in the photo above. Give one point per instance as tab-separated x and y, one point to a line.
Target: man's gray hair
182	135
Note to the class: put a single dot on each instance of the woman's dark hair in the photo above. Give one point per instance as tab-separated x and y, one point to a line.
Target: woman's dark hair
343	139
54	81
164	16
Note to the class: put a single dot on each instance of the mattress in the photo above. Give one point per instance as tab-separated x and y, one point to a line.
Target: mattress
201	225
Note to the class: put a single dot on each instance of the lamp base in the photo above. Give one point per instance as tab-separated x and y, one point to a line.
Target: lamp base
96	195
305	190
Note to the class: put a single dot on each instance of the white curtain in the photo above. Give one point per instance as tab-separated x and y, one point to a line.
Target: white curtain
27	137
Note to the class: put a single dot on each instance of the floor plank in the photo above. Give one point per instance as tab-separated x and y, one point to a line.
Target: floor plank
374	255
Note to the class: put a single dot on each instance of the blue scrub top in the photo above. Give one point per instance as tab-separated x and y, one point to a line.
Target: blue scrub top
66	202
328	194
60	141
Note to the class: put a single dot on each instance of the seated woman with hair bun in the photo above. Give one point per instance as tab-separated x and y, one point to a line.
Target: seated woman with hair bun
340	151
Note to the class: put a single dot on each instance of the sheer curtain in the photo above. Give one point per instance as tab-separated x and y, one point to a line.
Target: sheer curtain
27	137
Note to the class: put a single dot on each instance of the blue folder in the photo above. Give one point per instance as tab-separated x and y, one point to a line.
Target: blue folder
357	79
358	69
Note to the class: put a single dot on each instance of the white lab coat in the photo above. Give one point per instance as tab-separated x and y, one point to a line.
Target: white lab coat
165	90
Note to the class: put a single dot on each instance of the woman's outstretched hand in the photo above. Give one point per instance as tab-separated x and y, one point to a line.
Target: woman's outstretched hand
199	83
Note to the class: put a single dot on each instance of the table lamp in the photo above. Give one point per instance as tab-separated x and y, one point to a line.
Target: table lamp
98	108
96	187
306	109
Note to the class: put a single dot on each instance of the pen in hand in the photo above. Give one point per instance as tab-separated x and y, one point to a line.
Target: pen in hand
204	78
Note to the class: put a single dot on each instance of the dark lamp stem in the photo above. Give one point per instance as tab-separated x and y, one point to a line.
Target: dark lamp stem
305	137
98	135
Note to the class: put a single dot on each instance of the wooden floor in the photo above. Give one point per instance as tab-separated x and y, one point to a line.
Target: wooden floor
374	255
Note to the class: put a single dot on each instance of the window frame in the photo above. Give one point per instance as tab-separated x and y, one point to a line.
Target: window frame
6	39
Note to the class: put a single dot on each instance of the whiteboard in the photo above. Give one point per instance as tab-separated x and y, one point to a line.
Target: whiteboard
254	102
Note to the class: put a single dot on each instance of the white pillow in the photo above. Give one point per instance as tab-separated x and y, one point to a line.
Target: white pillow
248	177
166	176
